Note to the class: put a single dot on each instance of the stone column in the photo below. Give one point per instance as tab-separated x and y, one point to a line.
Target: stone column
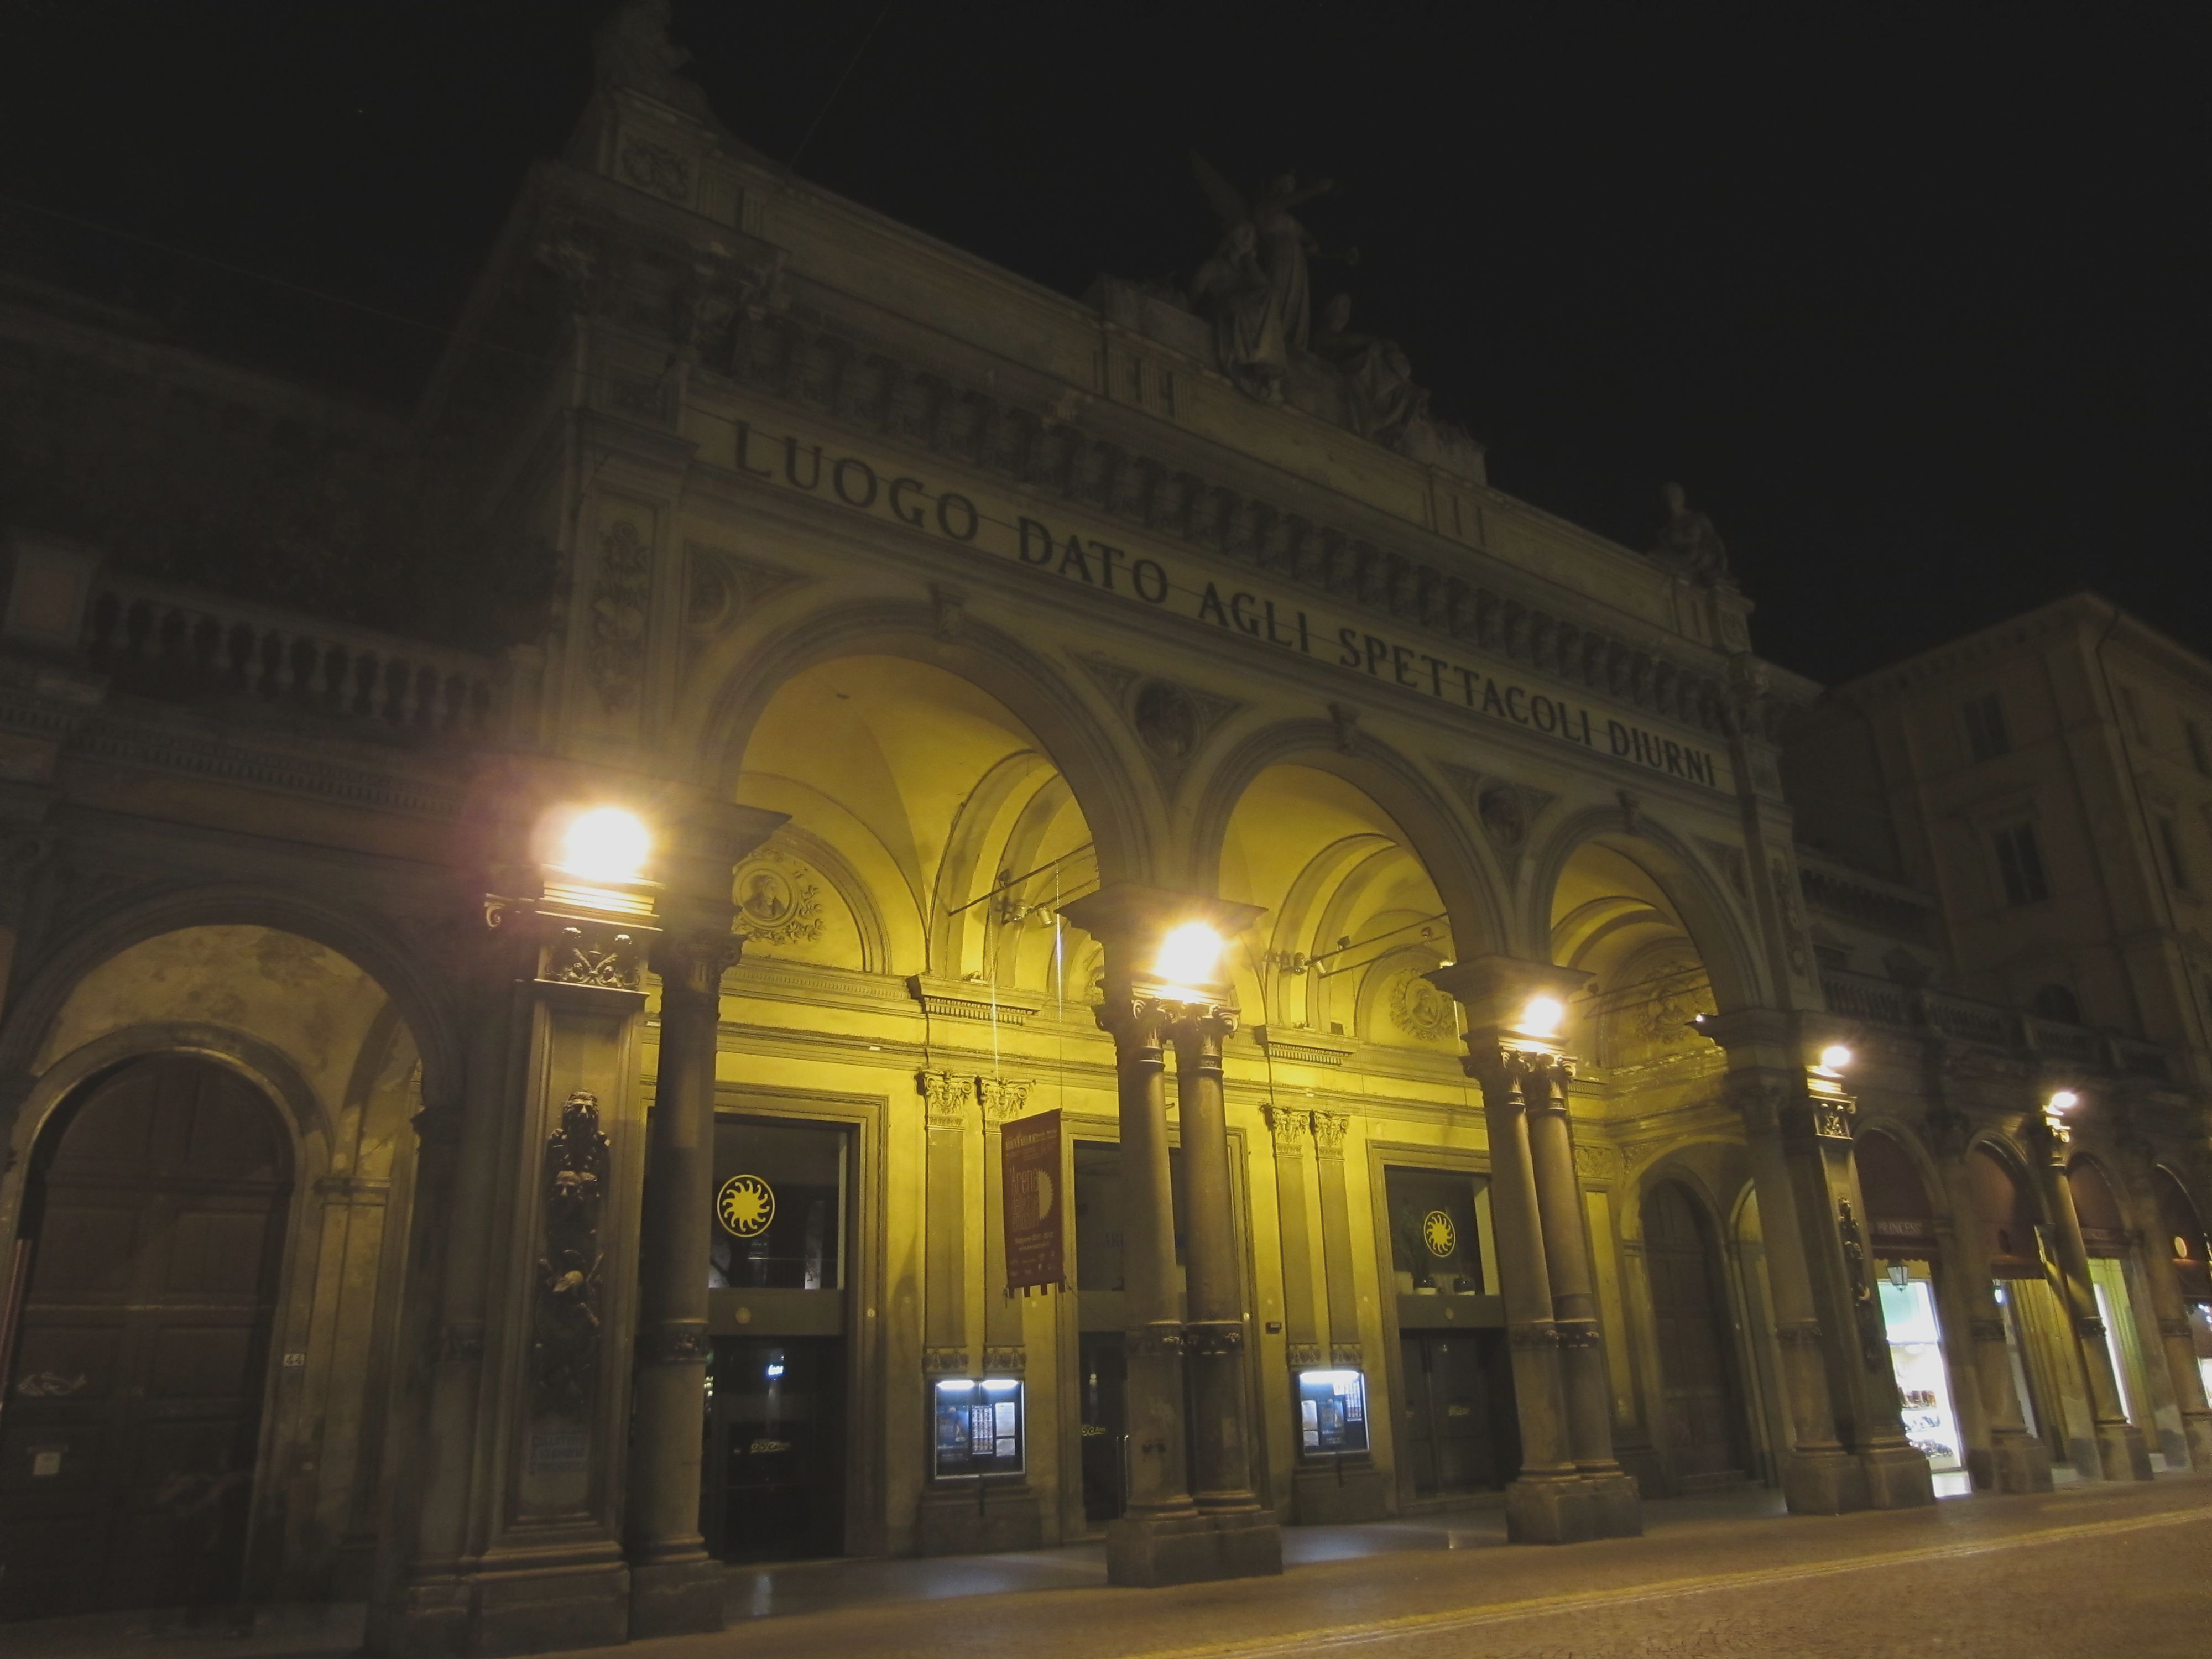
1139	1544
675	1586
1162	1537
1549	1502
1612	1492
2016	1460
1214	1330
2122	1451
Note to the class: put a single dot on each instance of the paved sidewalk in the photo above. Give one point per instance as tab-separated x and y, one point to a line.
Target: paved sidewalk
1416	1584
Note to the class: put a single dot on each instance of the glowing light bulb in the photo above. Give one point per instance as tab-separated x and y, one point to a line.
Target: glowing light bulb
606	844
1189	955
2064	1101
1835	1058
1542	1016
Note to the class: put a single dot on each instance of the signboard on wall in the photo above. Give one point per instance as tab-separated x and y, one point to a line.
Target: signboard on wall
1034	1207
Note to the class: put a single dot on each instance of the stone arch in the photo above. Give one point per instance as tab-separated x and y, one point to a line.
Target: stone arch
1438	834
1109	779
395	963
1703	1388
1715	924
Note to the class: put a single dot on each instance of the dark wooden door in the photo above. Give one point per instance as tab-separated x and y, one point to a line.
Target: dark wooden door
130	1427
1700	1429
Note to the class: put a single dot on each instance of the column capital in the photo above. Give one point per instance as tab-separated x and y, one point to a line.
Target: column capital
1495	991
1534	1078
1133	922
1004	1098
947	1099
1288	1128
1205	1025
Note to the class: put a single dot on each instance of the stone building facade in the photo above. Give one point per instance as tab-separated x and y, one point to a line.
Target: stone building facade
419	1192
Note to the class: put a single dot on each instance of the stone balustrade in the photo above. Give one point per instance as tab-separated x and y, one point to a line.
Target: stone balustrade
167	640
1987	1025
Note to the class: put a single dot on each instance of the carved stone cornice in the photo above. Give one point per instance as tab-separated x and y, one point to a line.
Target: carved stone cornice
1303	1048
972	1000
824	367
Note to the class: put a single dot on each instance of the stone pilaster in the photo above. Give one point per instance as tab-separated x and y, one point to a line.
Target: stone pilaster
1008	1513
1800	1124
519	1545
1818	1476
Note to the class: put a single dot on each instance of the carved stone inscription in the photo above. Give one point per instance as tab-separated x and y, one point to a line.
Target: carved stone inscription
1137	578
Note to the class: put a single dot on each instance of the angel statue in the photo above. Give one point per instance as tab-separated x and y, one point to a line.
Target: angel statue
633	50
1688	540
1233	290
1283	243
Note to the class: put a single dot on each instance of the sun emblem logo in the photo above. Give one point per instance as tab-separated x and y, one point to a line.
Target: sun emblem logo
1439	1233
746	1204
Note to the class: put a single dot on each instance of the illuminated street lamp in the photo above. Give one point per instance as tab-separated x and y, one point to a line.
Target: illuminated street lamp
1190	958
2063	1101
1541	1018
605	845
1835	1060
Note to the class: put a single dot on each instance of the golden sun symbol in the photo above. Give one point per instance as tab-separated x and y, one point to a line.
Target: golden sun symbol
746	1204
1439	1233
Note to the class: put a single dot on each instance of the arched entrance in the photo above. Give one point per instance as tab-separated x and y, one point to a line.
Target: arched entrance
2111	1247
155	1219
2184	1247
1703	1440
1903	1240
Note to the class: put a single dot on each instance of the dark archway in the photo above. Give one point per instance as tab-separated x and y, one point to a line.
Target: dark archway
147	1284
1703	1438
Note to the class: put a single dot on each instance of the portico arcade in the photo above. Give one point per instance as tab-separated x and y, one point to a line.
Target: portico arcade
981	708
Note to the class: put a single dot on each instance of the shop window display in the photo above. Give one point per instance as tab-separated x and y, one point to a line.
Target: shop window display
1924	1385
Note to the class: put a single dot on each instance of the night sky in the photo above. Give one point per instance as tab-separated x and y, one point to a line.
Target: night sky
1911	299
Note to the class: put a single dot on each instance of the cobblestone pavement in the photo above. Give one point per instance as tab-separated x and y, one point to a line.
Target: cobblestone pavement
2092	1570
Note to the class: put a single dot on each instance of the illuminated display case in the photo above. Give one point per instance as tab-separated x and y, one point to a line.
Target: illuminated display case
1332	1413
976	1427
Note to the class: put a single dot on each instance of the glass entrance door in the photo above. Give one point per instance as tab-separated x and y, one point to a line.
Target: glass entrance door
774	1478
1105	1424
773	1484
1460	1434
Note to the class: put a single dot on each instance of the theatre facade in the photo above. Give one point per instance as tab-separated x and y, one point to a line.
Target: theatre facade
1049	926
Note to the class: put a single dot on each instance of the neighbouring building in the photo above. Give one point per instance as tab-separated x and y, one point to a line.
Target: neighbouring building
838	904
